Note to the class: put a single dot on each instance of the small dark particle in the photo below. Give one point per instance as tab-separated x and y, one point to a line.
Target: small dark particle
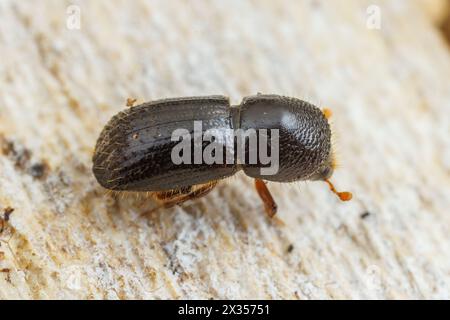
290	248
7	146
6	213
38	170
22	158
365	214
8	275
19	154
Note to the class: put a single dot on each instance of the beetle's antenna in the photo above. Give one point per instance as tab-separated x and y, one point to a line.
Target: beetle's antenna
344	196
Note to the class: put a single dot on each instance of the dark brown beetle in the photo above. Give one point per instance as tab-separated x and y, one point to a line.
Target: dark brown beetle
135	149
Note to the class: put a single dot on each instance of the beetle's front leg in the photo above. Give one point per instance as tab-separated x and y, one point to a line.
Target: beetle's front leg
264	193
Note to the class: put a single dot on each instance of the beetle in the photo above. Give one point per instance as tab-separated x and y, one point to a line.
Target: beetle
135	150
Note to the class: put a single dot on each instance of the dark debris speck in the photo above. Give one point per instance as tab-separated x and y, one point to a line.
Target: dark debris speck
290	248
365	214
18	153
7	212
38	170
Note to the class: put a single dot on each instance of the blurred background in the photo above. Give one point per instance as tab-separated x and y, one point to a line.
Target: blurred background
382	67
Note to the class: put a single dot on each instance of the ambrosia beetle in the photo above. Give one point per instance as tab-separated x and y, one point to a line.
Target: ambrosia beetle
179	148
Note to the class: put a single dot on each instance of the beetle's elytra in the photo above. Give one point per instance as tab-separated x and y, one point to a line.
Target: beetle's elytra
135	151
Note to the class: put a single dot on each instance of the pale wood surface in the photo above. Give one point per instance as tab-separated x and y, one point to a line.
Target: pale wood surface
388	88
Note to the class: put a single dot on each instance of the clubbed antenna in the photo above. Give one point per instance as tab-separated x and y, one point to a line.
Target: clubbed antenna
344	196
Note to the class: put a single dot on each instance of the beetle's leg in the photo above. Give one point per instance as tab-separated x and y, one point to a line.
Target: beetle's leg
197	191
175	197
264	193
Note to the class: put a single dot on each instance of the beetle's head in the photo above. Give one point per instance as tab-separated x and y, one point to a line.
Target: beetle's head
325	171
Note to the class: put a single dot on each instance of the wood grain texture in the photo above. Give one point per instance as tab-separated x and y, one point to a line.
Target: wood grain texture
389	92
